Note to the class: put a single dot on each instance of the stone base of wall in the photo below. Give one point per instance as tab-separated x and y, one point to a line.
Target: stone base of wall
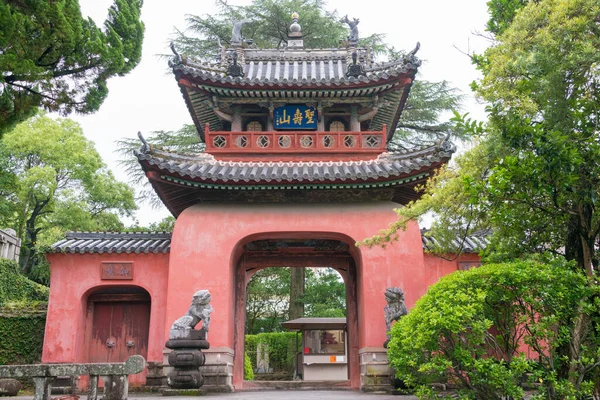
217	373
375	372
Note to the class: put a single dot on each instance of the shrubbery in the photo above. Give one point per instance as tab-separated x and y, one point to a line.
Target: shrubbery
248	370
15	287
22	316
281	346
471	328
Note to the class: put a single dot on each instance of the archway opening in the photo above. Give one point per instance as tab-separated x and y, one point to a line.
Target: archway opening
302	280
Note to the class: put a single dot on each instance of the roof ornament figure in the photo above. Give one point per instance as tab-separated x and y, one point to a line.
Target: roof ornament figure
235	69
411	57
145	145
353	38
355	69
177	59
236	32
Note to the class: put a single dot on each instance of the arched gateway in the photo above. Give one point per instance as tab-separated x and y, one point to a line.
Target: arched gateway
295	150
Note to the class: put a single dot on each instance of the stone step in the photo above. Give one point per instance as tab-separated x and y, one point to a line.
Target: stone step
296	385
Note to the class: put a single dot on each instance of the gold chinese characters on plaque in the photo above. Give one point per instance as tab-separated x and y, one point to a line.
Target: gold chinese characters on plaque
116	271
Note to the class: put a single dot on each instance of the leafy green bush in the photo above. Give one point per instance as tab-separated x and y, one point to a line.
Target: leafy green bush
471	327
281	346
15	287
22	332
248	371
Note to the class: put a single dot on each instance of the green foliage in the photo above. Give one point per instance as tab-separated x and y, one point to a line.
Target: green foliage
324	294
422	121
268	297
470	327
267	300
22	316
52	57
15	287
58	183
183	140
268	27
282	350
502	13
533	175
248	371
22	332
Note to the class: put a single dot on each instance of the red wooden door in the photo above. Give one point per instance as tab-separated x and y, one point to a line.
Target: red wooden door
119	329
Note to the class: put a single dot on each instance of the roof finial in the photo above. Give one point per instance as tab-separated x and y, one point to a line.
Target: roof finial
295	33
295	27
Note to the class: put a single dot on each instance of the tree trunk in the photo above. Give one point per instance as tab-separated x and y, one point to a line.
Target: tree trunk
298	278
26	259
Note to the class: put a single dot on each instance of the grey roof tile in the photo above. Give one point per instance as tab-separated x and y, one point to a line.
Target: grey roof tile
113	242
160	242
471	244
325	68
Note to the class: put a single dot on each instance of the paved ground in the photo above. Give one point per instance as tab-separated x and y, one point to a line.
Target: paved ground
265	395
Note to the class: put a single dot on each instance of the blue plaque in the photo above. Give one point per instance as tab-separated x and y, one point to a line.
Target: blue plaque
295	116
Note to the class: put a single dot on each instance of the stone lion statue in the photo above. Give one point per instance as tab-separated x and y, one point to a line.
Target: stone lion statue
199	310
394	309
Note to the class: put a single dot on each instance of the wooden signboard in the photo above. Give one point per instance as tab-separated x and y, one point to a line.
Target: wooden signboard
116	271
295	116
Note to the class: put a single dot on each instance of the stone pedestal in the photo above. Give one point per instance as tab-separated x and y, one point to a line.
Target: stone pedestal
375	372
217	372
186	358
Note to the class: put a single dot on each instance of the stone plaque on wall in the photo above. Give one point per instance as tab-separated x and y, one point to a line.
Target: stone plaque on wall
116	271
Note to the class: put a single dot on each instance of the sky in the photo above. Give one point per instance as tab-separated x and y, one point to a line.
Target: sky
148	99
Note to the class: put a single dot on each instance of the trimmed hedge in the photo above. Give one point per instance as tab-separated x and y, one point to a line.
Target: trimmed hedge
22	333
15	287
248	371
282	350
23	305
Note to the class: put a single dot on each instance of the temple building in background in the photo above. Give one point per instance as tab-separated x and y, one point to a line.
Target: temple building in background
296	171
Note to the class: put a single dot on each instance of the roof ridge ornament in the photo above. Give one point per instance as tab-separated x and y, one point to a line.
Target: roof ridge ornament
236	31
411	57
353	38
235	69
295	33
176	59
145	145
355	69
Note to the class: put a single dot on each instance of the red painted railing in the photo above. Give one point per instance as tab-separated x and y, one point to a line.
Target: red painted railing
307	142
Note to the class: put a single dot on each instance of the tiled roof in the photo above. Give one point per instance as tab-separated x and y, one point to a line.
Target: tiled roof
114	242
472	244
160	242
205	167
283	72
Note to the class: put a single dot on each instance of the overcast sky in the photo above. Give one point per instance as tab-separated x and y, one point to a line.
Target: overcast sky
148	99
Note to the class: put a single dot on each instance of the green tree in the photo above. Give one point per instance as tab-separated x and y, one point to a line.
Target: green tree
59	183
533	176
52	57
268	25
183	140
470	327
324	294
268	297
267	300
423	121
